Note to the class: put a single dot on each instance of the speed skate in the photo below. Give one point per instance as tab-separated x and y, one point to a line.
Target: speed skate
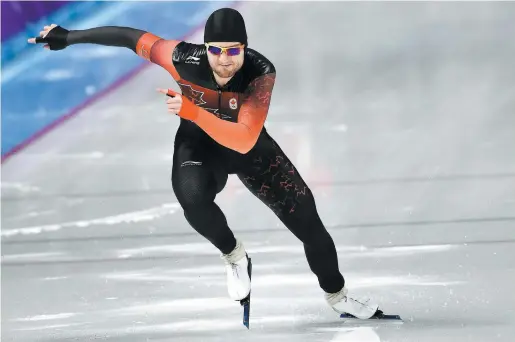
379	316
238	267
245	302
357	310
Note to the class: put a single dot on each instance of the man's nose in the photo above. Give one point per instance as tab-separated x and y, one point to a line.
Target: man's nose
223	57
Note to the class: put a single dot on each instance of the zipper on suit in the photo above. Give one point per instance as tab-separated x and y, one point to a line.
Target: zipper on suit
219	98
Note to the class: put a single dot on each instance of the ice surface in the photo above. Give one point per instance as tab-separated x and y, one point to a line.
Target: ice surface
399	116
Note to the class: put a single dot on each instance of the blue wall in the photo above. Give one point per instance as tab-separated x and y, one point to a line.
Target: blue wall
23	18
18	15
42	86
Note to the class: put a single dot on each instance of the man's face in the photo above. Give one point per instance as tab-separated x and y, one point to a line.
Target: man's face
225	63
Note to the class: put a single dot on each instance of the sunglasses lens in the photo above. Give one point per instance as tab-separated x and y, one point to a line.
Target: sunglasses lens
214	50
233	51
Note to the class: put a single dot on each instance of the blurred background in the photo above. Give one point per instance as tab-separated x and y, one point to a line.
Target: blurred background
90	71
399	115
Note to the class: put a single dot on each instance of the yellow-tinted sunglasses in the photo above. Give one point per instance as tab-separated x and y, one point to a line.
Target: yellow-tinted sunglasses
229	51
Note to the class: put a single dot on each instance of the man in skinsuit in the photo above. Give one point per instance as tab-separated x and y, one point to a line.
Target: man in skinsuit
226	92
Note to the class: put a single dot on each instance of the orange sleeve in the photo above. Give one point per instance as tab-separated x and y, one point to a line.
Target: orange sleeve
242	135
158	51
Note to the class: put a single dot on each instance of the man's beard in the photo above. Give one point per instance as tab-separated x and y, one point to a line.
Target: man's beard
224	73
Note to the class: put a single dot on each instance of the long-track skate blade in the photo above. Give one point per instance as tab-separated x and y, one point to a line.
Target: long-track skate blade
245	302
379	317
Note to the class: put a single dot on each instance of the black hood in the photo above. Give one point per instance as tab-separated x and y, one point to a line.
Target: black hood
225	25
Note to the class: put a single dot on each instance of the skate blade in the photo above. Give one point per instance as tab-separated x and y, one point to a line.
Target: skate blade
379	317
245	302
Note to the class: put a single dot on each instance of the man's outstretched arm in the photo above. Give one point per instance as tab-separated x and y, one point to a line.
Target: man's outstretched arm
145	44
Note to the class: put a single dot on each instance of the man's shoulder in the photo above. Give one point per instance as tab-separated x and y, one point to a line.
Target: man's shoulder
186	50
258	64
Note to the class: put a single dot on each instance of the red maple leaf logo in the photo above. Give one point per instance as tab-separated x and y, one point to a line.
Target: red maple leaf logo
193	95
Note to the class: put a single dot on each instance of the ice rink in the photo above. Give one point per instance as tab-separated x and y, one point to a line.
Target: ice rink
401	118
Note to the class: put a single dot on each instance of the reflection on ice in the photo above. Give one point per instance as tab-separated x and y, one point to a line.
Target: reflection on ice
45	317
359	334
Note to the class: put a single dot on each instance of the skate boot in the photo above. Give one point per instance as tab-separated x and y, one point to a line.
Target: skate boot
236	267
343	304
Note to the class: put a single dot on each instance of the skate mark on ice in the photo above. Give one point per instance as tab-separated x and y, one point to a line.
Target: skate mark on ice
45	317
281	229
27	188
50	327
130	217
179	306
